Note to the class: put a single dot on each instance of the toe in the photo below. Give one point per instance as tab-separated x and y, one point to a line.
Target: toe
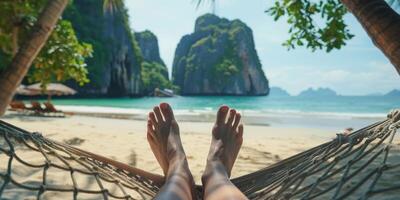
150	138
152	118
231	117
150	128
221	115
157	111
240	131
239	136
167	111
237	120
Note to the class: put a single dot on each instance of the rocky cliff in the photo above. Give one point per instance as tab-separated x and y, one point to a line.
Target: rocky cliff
218	58
115	68
148	44
154	72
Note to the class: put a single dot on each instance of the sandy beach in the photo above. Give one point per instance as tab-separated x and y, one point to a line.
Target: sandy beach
125	140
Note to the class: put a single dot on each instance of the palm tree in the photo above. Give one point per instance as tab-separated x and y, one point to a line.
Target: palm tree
12	76
381	23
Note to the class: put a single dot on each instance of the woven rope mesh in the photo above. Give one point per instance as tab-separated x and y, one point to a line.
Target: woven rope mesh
362	165
57	171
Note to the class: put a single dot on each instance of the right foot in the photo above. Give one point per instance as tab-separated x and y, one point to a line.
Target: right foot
227	138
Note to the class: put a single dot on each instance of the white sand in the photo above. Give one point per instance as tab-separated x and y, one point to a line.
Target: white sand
125	141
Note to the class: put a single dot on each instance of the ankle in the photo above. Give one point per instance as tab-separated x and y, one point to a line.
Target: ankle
176	158
177	163
179	168
215	170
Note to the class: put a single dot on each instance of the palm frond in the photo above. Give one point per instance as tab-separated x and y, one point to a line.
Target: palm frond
112	5
211	2
198	2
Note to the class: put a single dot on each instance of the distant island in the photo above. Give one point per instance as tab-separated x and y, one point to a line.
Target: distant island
319	92
393	93
278	92
326	92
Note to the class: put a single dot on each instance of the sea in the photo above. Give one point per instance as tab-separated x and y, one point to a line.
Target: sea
336	105
331	113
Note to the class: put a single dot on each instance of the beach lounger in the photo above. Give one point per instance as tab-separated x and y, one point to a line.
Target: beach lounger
50	109
17	106
36	107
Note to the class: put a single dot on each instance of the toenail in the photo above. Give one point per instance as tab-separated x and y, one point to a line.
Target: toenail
163	105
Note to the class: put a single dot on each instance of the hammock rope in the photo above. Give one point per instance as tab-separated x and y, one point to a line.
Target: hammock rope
64	158
351	166
361	165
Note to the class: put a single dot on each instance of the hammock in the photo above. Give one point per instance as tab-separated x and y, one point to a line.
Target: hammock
360	165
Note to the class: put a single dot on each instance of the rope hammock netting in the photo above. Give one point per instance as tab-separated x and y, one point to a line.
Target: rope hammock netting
364	164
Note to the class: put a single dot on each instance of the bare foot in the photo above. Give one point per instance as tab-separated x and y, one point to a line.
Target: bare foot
163	136
227	138
165	142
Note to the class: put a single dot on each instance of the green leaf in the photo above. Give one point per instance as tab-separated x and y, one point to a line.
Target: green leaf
302	17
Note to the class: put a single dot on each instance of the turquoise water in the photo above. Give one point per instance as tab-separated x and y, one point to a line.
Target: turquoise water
339	104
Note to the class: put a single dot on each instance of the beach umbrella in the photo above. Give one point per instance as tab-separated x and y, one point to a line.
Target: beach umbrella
22	90
52	89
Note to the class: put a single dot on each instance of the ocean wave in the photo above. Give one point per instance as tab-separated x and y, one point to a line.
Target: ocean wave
212	111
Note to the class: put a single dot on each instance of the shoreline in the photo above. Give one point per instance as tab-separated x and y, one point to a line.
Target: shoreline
322	120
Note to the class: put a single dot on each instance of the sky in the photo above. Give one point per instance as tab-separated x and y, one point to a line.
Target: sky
359	68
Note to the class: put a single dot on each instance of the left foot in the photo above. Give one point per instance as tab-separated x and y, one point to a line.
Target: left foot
165	142
163	137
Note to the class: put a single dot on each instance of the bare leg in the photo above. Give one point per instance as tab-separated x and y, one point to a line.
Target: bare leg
165	142
227	138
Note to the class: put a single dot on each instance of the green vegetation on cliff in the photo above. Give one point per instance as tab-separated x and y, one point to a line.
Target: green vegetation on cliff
117	50
229	63
90	35
154	71
152	77
89	20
